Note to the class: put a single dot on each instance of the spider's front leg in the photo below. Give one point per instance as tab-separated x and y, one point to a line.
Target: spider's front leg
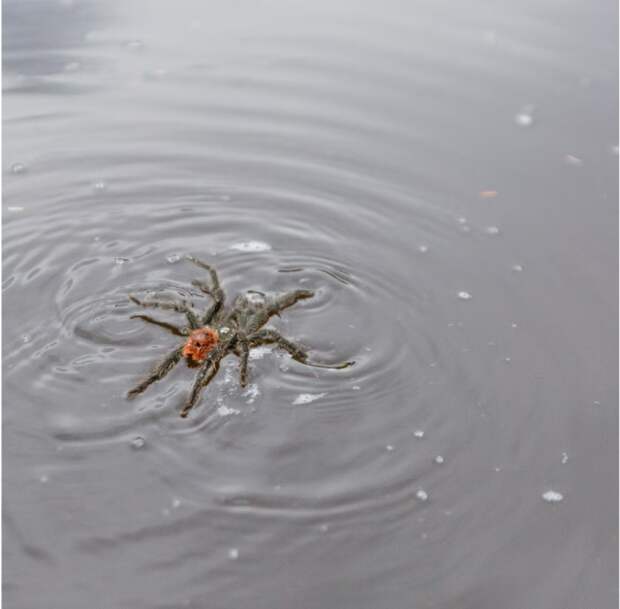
284	301
215	291
162	324
206	373
159	372
179	307
297	352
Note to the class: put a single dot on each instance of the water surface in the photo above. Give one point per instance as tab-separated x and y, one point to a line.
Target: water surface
443	174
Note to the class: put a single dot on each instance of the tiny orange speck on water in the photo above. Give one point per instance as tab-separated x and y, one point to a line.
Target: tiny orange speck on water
488	194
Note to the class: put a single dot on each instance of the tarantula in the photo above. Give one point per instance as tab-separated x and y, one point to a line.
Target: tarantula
211	336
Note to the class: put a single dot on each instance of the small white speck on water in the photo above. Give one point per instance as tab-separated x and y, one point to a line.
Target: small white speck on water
307	398
251	246
465	228
507	360
233	553
72	66
176	502
492	230
497	469
120	260
251	393
462	220
44	478
15	208
138	442
422	495
367	348
564	458
100	186
418	433
615	149
525	118
389	448
134	45
324	528
551	496
596	403
439	459
18	168
517	268
513	325
259	352
356	387
422	249
225	411
572	160
351	325
25	338
173	258
464	295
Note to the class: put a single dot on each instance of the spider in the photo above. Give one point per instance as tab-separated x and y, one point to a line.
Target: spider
221	330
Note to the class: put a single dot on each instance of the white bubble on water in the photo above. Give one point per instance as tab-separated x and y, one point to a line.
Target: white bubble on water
251	246
233	553
356	387
517	268
492	230
72	66
251	393
43	478
422	249
18	168
225	411
324	528
15	208
462	220
422	495
507	360
525	117
464	295
389	448
120	260
307	398
176	502
572	160
418	433
552	496
173	258
564	458
100	186
615	149
260	352
439	459
134	45
138	442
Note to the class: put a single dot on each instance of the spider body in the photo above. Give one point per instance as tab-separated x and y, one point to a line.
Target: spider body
220	331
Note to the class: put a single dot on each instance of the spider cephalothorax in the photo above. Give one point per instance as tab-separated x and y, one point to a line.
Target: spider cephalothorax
222	330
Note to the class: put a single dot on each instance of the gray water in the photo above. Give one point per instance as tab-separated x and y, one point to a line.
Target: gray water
444	174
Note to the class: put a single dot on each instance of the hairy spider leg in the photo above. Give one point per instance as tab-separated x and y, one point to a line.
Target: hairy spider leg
215	291
163	324
297	352
179	307
206	373
284	301
244	349
159	372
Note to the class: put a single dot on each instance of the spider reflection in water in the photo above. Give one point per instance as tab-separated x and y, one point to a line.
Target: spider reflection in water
221	330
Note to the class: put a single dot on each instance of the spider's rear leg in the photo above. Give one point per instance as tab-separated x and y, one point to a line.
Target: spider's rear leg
179	307
158	373
206	373
163	324
297	352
